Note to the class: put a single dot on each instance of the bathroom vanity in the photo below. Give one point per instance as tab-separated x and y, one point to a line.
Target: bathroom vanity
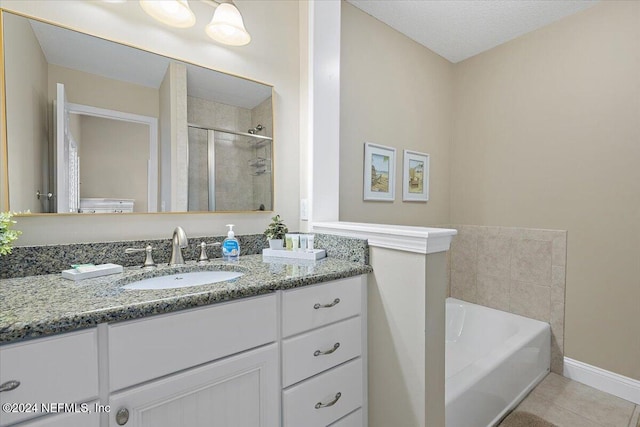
285	344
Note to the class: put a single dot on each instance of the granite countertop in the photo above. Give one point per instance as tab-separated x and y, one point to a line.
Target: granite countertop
37	306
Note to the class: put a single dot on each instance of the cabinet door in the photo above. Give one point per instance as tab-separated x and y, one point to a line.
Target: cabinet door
89	419
239	391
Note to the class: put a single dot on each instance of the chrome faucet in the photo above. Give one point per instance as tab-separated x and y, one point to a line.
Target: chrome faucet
178	241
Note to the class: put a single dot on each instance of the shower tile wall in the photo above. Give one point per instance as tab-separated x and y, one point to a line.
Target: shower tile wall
263	114
233	179
518	270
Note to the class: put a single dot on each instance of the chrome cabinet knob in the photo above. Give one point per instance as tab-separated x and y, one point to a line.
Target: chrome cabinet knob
122	416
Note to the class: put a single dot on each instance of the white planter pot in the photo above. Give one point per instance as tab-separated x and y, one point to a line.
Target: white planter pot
276	244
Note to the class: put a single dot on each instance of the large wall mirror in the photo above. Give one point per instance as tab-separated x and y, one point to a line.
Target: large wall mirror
94	126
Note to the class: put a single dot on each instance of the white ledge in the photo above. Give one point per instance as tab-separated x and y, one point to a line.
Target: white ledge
423	240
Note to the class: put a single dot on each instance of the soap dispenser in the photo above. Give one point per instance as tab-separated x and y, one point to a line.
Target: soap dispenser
230	246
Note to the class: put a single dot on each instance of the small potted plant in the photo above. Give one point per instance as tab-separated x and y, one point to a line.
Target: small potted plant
7	236
275	232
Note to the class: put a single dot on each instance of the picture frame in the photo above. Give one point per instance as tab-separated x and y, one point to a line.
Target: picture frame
415	176
379	172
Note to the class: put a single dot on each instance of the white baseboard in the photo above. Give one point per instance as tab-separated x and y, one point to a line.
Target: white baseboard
609	382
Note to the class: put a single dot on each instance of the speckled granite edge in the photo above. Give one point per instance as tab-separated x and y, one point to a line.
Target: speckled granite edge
346	248
37	260
44	305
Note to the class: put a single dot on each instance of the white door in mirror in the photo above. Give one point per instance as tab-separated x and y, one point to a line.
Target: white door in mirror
183	280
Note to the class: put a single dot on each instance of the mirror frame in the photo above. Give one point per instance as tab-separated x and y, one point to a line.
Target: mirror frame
4	143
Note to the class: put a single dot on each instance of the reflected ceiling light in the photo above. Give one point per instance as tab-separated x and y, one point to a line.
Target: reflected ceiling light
175	13
226	27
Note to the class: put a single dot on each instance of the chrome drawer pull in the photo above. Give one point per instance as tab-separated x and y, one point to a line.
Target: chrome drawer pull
333	402
318	305
9	385
321	353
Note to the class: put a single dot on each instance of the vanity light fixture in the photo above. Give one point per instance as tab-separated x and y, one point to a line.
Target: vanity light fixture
175	13
226	26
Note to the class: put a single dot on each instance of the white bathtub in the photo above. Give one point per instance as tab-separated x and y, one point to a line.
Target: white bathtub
493	359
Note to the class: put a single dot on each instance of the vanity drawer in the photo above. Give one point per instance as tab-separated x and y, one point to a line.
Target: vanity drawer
318	305
300	403
352	420
300	357
141	350
60	369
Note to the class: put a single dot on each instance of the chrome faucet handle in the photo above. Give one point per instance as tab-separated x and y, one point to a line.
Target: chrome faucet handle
203	251
148	262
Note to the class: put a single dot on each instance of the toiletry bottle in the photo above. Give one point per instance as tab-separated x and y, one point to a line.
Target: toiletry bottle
230	246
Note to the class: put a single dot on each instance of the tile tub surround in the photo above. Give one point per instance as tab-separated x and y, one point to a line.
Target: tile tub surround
518	270
36	260
42	305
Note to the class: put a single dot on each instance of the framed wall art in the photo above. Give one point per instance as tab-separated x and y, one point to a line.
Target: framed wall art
379	172
415	177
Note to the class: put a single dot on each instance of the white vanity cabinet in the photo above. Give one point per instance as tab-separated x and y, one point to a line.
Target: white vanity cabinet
238	391
291	358
44	372
324	354
214	364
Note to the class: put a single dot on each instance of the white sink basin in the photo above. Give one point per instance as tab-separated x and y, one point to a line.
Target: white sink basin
183	280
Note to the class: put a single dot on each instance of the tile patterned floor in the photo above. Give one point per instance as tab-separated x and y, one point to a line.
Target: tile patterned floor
568	403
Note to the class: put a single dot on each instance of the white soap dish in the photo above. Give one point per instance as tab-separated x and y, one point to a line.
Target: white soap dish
88	272
312	254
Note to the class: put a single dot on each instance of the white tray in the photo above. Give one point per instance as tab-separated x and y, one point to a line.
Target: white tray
100	270
313	254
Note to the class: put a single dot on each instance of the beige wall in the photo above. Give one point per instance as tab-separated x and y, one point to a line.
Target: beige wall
547	135
97	91
113	160
393	92
26	77
273	56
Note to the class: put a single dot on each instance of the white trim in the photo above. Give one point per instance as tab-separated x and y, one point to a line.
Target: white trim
324	108
609	382
422	240
152	122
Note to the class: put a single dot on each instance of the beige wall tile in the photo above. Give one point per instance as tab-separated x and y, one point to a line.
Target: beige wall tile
494	256
531	261
510	232
559	250
463	285
464	253
557	362
558	276
538	234
530	300
493	291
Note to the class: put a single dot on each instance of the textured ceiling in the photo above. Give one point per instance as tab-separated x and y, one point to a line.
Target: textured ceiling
459	29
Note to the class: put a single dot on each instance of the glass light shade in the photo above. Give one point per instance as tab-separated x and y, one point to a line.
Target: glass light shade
175	13
227	26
